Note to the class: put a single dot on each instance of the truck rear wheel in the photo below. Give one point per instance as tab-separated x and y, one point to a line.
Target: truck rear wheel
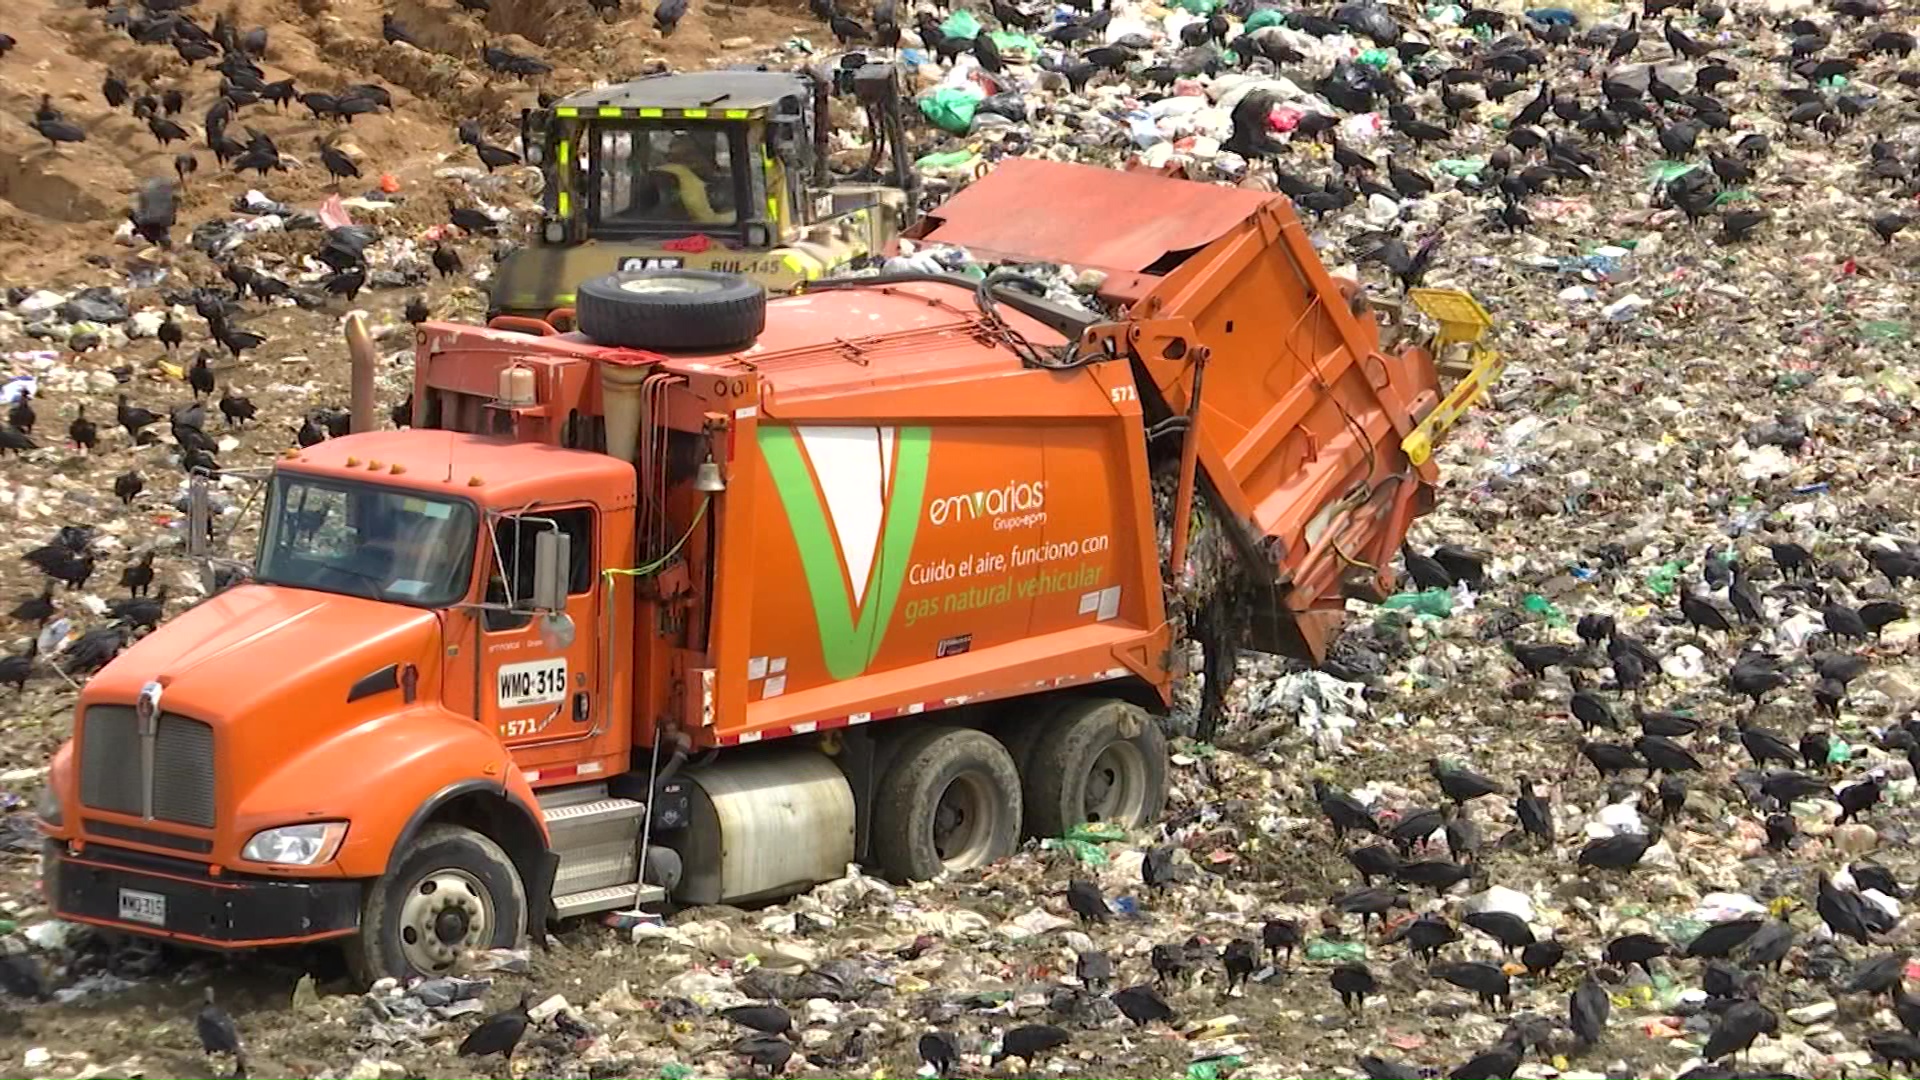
950	801
452	891
1100	760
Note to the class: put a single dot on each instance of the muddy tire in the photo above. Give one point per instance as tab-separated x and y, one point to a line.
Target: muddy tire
1099	760
671	310
949	801
452	890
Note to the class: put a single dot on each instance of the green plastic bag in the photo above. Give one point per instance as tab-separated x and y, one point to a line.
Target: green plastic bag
1663	580
1680	929
1665	172
1345	952
1264	17
1378	59
1090	854
1461	167
1545	608
1198	7
950	109
1214	1068
1096	832
961	24
947	160
1011	41
1435	602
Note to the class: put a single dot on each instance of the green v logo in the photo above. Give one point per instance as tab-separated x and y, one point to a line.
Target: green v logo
852	496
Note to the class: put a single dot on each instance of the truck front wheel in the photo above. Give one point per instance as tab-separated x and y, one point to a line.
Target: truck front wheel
950	801
1100	760
452	891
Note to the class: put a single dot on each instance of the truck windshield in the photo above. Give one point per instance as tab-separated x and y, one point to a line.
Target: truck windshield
647	177
364	540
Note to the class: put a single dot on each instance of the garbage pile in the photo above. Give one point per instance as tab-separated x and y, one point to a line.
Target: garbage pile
1620	784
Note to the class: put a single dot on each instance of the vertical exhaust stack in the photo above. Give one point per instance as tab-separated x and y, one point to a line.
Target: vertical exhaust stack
361	355
620	405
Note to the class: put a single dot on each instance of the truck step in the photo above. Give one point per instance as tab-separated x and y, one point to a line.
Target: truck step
611	898
597	812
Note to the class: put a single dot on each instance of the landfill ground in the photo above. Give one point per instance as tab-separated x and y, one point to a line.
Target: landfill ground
1671	397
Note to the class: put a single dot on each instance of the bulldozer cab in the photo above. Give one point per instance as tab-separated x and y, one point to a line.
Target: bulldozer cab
717	170
643	180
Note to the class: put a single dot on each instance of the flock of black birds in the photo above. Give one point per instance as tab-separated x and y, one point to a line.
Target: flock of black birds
236	55
1438	847
1611	85
1609	82
243	84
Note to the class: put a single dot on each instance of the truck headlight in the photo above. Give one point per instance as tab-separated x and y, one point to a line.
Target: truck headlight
296	845
48	808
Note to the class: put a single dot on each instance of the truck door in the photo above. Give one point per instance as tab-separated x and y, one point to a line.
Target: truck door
533	691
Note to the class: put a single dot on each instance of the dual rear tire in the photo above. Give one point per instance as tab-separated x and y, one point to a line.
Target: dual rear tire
958	798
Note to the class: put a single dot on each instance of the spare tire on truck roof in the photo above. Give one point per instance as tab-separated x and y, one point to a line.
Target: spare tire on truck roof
671	310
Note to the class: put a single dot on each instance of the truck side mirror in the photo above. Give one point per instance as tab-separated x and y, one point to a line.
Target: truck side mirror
552	569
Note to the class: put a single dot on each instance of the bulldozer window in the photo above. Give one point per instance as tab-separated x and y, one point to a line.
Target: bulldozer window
647	177
515	539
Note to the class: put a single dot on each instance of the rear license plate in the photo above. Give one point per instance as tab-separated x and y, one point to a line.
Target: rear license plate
652	262
143	907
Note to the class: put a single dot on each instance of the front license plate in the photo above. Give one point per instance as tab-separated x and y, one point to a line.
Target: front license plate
143	907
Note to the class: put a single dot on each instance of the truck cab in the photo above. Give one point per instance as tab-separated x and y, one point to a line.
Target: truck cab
717	170
384	675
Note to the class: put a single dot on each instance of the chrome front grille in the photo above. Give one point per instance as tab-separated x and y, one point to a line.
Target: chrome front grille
167	776
183	772
110	760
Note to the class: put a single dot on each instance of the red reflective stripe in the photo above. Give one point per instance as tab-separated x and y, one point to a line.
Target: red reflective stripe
808	727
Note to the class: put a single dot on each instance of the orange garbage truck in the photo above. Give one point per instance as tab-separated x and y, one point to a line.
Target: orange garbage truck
719	594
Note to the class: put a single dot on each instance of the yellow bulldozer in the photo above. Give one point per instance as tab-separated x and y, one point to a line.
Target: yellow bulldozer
722	170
